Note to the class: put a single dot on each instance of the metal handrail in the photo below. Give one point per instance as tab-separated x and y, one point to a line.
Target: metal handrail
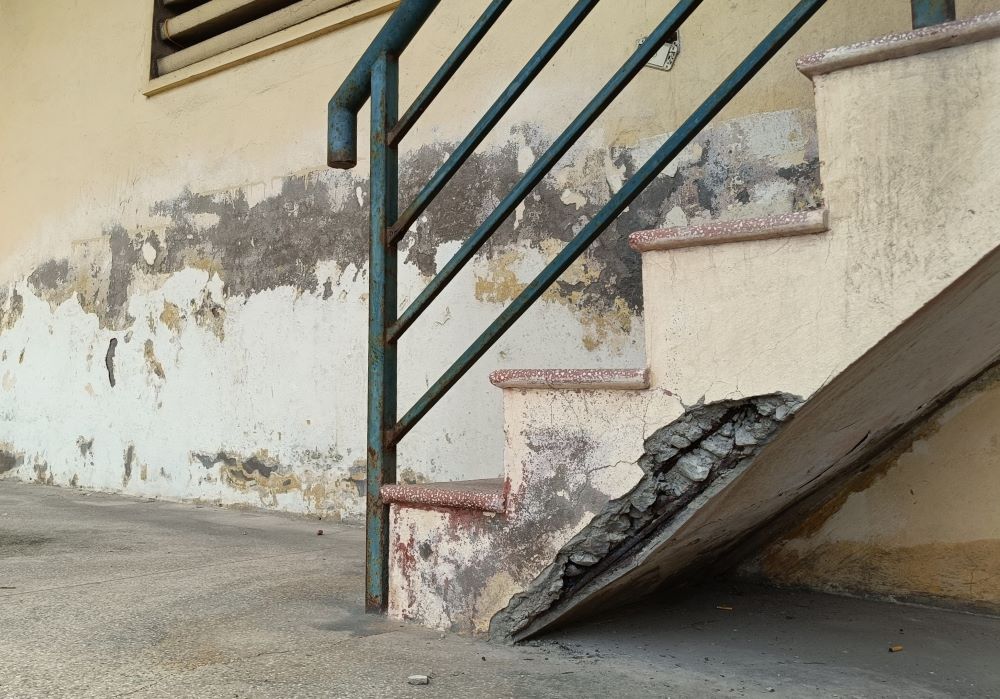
464	49
342	111
541	167
376	74
493	115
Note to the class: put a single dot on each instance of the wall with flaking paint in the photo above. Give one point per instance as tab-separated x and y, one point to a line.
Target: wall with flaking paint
920	525
183	282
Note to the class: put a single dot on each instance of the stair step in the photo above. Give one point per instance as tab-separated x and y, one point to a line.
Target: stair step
618	379
486	494
902	44
763	228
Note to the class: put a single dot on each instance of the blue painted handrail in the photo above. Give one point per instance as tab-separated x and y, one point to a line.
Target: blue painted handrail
448	69
342	111
544	164
493	115
376	75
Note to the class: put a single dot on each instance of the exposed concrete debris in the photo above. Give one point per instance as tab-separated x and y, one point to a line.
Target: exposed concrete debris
680	461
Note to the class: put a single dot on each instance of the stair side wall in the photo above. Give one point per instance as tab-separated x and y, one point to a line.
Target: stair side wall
920	525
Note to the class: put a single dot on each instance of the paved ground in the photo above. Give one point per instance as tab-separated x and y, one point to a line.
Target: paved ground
104	596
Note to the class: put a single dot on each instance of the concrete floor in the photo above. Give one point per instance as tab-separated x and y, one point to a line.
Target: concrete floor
105	596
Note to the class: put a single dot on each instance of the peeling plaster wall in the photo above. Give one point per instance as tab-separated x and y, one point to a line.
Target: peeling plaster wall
217	353
183	282
921	525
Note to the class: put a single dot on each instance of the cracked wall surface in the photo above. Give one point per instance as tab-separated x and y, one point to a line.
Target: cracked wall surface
234	323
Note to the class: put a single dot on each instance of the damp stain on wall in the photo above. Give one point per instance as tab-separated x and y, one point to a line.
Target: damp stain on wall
9	459
257	244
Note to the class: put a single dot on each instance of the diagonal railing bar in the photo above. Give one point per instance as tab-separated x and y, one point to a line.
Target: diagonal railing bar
645	175
496	112
448	69
541	167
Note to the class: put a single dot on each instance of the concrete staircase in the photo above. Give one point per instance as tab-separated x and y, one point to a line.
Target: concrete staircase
783	352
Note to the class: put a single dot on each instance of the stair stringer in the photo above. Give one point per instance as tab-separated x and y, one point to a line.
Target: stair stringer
685	463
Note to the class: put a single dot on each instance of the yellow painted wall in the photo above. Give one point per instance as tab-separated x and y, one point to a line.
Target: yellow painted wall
924	525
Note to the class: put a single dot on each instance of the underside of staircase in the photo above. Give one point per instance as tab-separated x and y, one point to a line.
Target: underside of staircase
784	353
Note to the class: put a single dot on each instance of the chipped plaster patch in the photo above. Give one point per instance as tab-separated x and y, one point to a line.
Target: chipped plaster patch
571	198
675	218
148	253
525	159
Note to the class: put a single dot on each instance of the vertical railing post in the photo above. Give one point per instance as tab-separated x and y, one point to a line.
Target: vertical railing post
928	12
381	315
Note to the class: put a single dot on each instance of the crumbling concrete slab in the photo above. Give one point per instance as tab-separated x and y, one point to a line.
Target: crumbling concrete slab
684	463
847	423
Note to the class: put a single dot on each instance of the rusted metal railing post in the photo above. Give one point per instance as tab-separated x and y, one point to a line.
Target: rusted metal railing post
381	314
928	12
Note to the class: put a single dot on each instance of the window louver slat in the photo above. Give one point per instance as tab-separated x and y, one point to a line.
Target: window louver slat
215	17
219	25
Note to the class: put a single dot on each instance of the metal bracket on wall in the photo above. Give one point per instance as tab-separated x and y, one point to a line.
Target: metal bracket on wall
665	58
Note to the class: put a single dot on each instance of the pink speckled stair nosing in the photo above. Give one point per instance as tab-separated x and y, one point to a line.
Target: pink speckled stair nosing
485	495
902	44
738	230
572	379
